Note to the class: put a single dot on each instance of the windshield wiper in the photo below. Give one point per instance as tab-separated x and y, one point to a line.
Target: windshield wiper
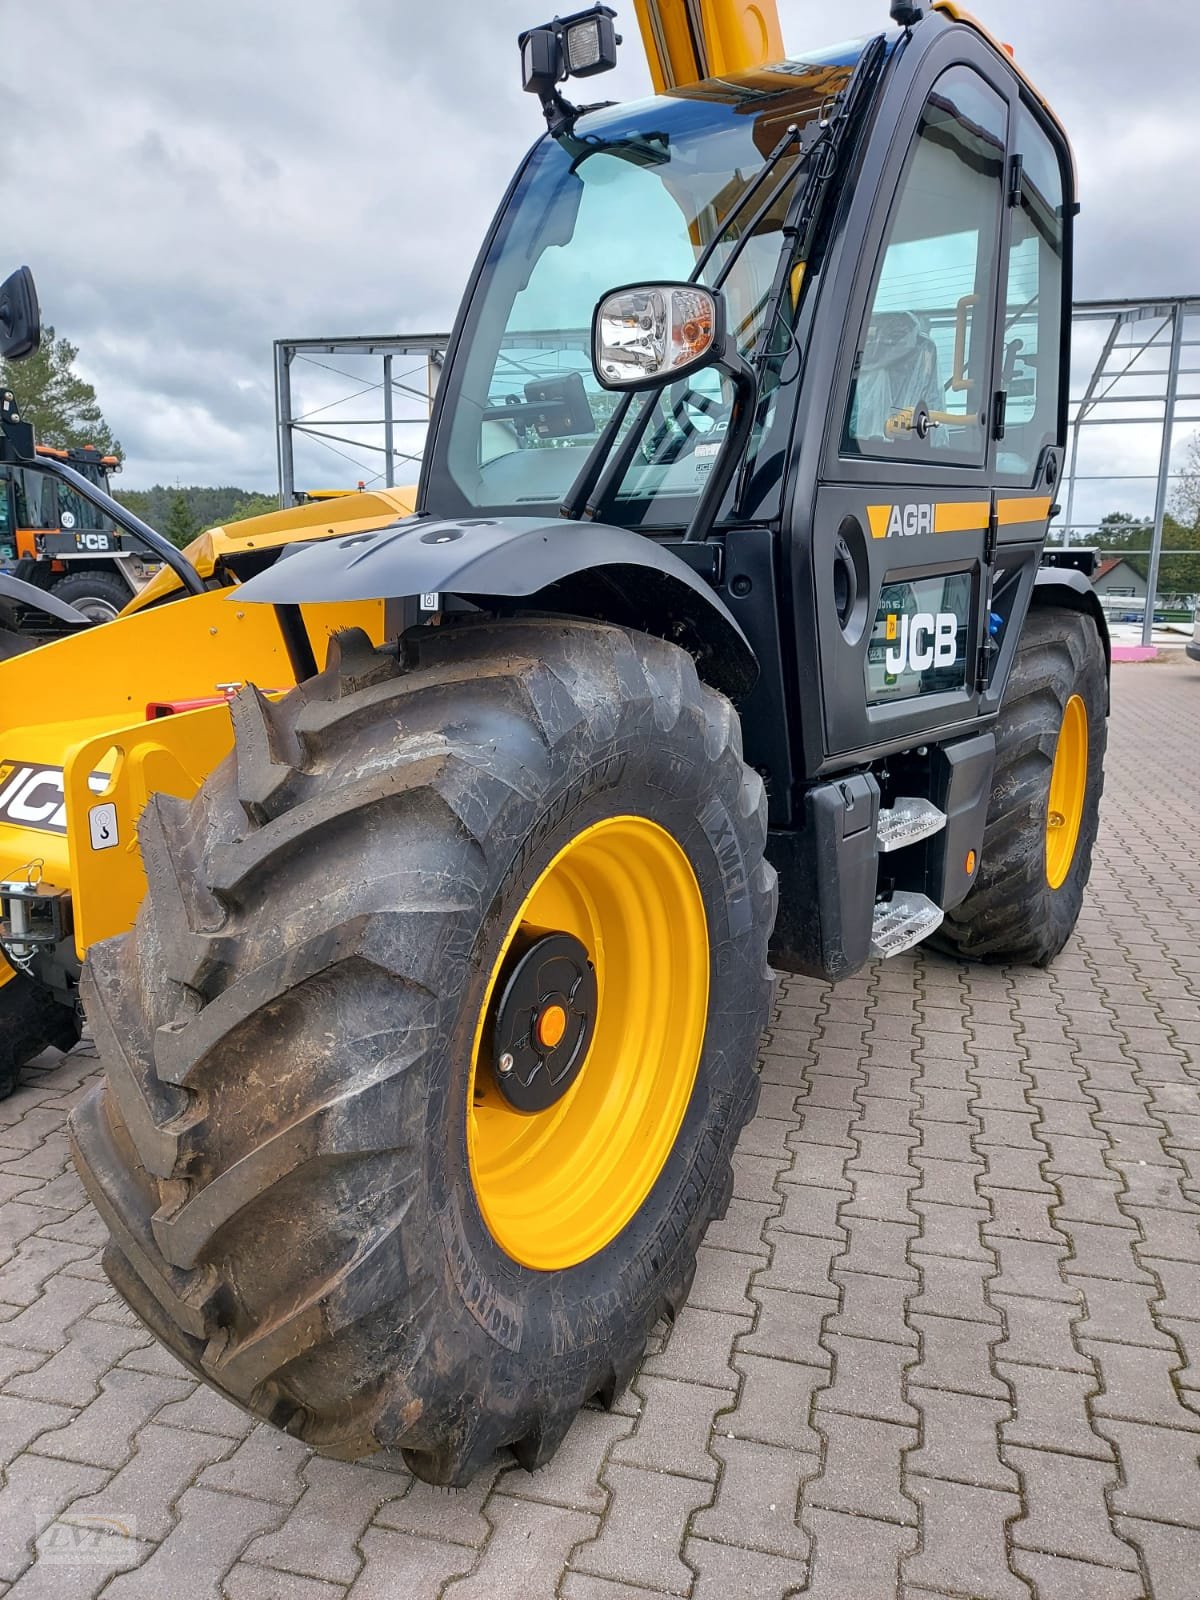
579	497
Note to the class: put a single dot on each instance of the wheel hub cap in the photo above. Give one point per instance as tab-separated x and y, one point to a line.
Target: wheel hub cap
544	1019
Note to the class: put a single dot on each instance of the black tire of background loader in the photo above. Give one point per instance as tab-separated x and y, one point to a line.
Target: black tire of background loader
77	588
31	1020
1012	913
302	1230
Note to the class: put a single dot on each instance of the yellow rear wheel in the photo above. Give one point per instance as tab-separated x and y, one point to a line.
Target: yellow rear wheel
1068	790
557	1185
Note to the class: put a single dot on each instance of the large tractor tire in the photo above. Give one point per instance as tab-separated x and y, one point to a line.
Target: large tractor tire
31	1020
1044	808
99	595
429	1050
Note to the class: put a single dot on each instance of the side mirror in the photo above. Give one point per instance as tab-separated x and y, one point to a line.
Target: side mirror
20	319
651	333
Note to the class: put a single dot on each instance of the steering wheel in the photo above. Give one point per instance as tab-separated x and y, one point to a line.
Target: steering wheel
677	431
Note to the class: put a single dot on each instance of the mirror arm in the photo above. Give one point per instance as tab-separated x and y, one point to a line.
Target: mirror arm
163	548
733	446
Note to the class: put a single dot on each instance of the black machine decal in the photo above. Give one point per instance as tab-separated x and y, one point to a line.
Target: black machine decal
918	645
33	796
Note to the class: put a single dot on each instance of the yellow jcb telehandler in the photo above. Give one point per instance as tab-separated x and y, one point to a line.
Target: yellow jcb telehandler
427	969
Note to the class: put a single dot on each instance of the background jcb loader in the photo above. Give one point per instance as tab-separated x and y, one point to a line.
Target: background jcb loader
436	1024
53	538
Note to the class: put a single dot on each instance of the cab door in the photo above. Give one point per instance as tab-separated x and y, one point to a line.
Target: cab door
903	525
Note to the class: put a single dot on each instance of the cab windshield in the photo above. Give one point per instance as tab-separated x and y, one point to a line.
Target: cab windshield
630	194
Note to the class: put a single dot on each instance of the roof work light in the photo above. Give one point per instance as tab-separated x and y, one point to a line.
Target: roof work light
578	46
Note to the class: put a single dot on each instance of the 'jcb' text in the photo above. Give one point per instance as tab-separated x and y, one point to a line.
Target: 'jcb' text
921	641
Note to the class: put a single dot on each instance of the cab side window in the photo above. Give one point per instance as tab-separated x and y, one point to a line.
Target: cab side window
1032	331
37	505
922	373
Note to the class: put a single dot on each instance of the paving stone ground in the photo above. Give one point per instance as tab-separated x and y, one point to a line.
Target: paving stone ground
945	1342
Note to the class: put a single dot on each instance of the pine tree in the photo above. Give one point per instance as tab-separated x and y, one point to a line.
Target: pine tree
51	395
181	526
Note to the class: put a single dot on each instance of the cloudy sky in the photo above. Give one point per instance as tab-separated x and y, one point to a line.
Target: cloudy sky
190	182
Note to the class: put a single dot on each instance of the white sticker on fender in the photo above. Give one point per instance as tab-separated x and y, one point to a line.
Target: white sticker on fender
102	826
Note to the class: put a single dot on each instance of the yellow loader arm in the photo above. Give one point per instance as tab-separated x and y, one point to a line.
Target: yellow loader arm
687	40
322	518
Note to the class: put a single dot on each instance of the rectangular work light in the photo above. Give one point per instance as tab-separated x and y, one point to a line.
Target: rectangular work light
578	46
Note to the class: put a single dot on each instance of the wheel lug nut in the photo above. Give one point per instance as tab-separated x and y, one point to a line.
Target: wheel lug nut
505	1064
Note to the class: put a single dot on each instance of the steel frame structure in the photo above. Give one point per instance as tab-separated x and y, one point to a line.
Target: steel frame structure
429	348
1134	382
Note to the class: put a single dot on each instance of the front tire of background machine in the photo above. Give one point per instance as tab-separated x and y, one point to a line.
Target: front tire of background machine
31	1020
1029	890
291	1148
99	595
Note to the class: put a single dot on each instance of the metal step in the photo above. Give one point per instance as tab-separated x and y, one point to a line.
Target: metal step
909	820
903	921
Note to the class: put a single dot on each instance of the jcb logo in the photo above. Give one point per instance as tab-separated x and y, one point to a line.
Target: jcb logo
91	541
891	522
920	641
33	796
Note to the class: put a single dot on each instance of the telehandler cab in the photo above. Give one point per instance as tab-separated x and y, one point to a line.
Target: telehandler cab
436	1027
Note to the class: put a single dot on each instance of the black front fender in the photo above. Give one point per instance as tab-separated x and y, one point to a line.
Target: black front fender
583	569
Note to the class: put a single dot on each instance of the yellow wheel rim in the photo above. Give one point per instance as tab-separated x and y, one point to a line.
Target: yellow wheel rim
1068	786
557	1185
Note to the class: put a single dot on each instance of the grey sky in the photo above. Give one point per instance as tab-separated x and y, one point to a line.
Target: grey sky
190	182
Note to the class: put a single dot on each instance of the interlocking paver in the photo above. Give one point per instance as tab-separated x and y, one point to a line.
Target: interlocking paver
1119	1312
855	1558
571	1480
1051	1411
1063	1579
757	1500
160	1469
1066	1513
731	1572
643	1532
949	1327
103	1433
873	1308
672	1431
529	1544
433	1513
963	1550
868	1379
956	1357
1138	1386
862	1471
773	1406
1171	1555
266	1465
788	1328
245	1581
212	1531
1160	1472
35	1490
